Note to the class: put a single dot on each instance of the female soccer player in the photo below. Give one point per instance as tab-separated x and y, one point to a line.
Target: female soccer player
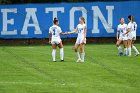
131	30
55	40
81	39
121	29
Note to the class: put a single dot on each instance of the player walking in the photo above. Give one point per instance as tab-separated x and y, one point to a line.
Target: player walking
121	29
81	39
55	40
131	30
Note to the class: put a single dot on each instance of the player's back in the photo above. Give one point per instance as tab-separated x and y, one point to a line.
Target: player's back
55	31
132	26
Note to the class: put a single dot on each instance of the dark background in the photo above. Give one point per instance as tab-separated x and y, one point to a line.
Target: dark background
52	1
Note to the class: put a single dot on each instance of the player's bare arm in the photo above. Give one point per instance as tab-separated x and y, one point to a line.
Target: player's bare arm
117	34
63	33
128	30
85	33
49	38
73	31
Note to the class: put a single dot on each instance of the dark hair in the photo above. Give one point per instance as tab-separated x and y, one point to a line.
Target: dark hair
131	18
55	20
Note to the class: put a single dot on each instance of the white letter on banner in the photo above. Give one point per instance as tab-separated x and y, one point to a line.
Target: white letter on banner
54	10
72	11
6	22
97	14
31	14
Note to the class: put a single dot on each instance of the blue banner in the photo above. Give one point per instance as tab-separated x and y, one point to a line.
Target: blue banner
34	20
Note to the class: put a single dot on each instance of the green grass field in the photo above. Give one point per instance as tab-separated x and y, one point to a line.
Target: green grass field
28	69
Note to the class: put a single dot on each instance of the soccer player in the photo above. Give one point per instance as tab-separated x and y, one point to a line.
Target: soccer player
131	30
121	29
81	39
55	40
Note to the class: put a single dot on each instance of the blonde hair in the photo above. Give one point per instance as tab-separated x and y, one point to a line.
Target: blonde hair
82	18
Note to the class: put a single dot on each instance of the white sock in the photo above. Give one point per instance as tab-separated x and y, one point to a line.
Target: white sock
129	51
83	56
120	49
135	49
78	55
61	53
125	51
53	54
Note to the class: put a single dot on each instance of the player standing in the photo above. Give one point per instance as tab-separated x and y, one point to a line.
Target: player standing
121	29
132	27
81	39
55	40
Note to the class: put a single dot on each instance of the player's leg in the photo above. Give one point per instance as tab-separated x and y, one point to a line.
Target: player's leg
60	45
77	52
119	47
76	49
54	52
134	48
125	47
129	47
82	52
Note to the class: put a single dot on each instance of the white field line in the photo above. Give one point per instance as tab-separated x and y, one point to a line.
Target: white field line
33	83
18	82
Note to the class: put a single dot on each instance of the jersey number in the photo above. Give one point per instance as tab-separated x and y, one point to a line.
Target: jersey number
53	31
134	27
80	30
122	31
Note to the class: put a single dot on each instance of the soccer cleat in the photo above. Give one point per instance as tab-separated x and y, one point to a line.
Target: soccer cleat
136	54
120	54
129	55
82	60
79	60
125	54
62	60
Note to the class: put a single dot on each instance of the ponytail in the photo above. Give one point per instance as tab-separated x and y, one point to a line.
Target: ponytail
131	18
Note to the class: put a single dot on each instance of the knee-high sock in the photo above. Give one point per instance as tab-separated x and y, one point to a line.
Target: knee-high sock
120	49
135	49
61	53
78	55
129	51
125	51
83	56
53	54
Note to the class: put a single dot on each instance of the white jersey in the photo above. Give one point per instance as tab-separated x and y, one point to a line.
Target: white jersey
122	29
80	38
133	28
81	28
55	31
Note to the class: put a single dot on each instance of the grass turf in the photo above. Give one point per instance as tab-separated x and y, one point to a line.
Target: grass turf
28	69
